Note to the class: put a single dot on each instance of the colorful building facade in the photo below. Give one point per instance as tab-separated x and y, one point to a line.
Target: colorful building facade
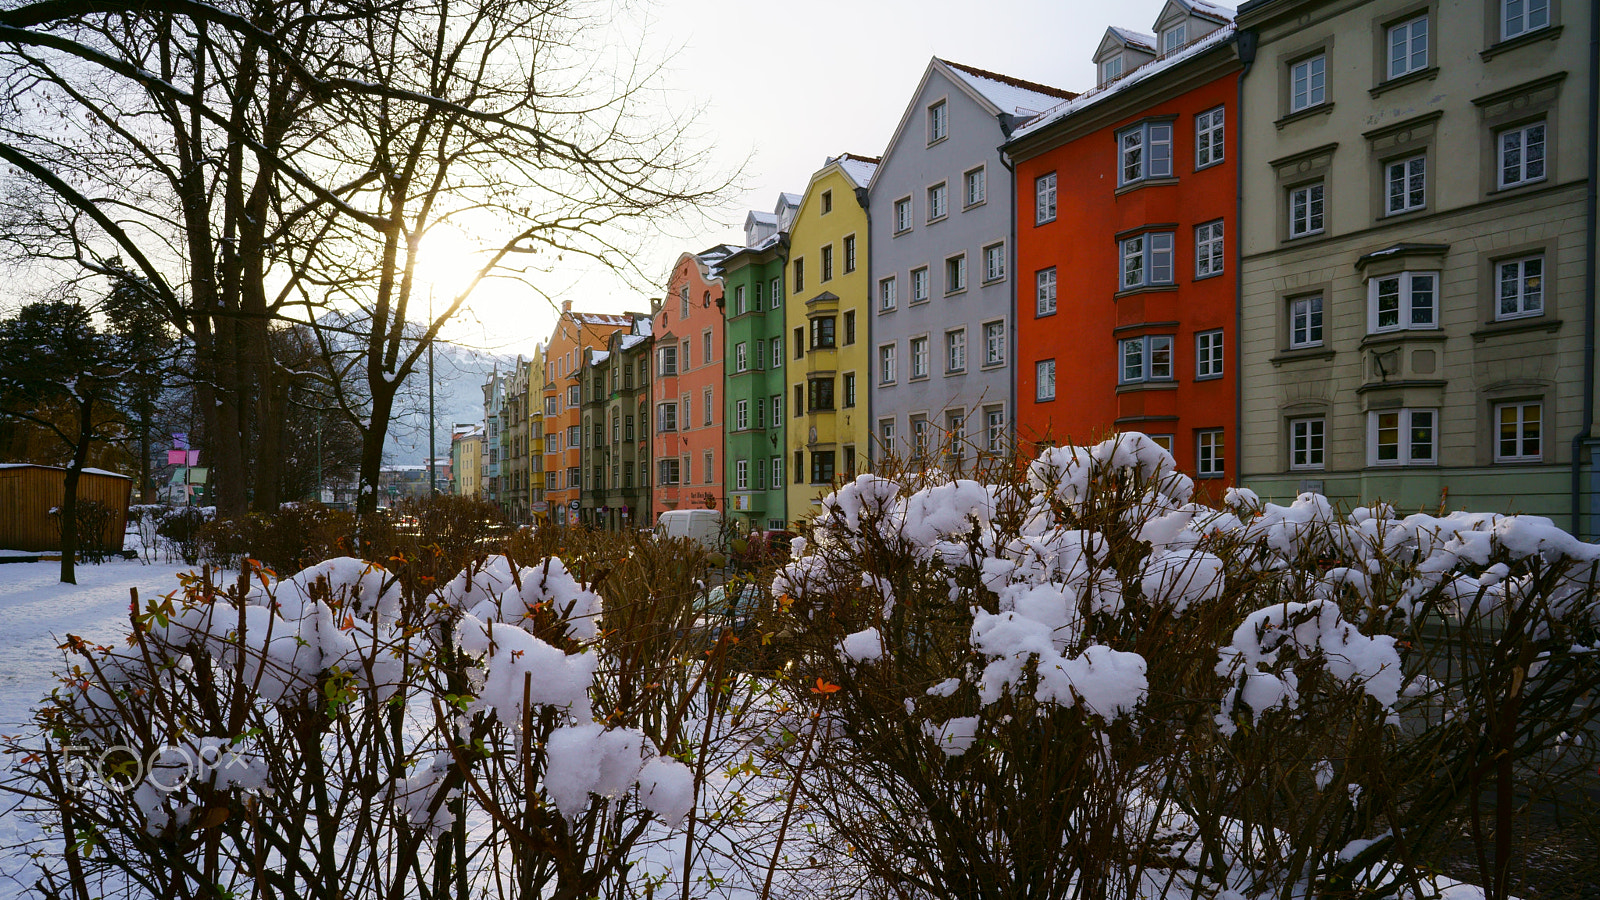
575	334
687	388
616	409
826	312
1125	248
753	285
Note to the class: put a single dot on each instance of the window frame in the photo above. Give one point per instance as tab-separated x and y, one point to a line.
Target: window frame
741	414
990	328
1044	186
1044	371
1213	440
849	253
1147	158
959	270
1501	17
1410	67
741	357
968	200
1409	190
994	262
1522	311
938	121
938	199
1039	284
1316	457
1521	435
1405	299
1209	361
1210	249
888	294
1142	247
826	274
923	275
1320	201
1295	104
902	215
888	363
1210	136
1523	129
1405	424
913	357
1319	312
955	351
1147	344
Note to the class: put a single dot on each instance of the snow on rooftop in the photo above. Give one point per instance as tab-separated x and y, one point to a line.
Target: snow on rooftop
632	341
1149	69
1214	10
1012	95
764	218
599	319
859	169
790	199
1136	38
598	356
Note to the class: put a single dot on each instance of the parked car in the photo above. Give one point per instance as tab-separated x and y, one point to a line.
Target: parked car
720	608
703	526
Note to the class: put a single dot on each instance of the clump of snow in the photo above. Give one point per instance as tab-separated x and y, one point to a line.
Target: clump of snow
862	647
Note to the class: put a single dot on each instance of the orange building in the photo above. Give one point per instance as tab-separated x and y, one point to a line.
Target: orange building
1126	238
575	335
687	391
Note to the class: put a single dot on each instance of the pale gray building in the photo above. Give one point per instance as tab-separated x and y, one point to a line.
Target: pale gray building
942	260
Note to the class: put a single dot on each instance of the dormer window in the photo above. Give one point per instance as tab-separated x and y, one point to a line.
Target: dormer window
1174	37
1111	69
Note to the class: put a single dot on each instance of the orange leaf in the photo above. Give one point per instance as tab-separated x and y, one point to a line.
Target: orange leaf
824	687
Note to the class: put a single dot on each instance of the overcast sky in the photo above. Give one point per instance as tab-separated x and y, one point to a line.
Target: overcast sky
785	85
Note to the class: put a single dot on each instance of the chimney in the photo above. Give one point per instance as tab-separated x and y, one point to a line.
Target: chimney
566	307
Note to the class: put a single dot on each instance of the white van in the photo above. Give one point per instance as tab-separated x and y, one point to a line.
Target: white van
701	525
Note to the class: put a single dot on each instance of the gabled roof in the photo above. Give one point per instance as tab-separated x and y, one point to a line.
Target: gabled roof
583	318
791	199
858	169
761	218
1127	37
1208	10
1008	94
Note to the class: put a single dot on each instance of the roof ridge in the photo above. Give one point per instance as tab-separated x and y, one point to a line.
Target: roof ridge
1011	80
875	160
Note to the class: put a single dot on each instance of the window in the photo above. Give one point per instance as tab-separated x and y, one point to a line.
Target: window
755	296
1305	210
616	426
709	467
683	302
1147	260
1404	181
799	400
886	434
955	274
1408	47
848	382
761	474
708	404
1208	249
777	353
827	202
1044	380
887	294
994	343
550	405
1208	354
919	436
574	436
761	413
822	467
819	393
919	285
799	467
1402	437
777	409
775	295
902	215
1146	359
976	187
799	274
994	262
667	358
937	196
1305	322
938	127
1111	69
667	417
741	354
777	471
741	475
849	327
1307	439
955	430
573	476
738	300
1045	291
827	263
741	415
886	364
1164	441
919	357
574	396
1144	151
1521	287
1522	16
1208	453
955	347
822	333
1521	154
1308	82
1173	38
994	429
849	253
683	354
1402	301
1044	199
627	428
1518	436
1208	135
667	471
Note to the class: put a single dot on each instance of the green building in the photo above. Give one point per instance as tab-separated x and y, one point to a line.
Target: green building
753	294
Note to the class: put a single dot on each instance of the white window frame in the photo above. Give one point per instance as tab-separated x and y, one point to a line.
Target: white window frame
1174	37
888	294
777	409
919	357
1208	249
1414	292
994	263
1524	22
1147	259
1526	301
667	413
994	428
974	187
668	471
1314	220
667	365
741	415
774	295
1045	291
994	343
777	472
1406	420
741	357
741	475
1210	449
938	121
847	387
1208	358
938	201
1147	347
958	283
902	215
1044	380
1044	198
955	351
886	434
1308	82
1524	134
777	353
1210	132
1520	438
1405	185
921	285
887	363
1308	309
1111	69
1308	443
1410	39
1144	151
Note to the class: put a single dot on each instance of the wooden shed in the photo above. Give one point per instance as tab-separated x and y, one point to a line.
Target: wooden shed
28	492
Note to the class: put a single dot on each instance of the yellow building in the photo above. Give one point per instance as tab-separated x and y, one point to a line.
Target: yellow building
826	316
466	462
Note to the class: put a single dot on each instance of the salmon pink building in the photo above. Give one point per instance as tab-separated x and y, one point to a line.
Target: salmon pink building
1126	265
687	389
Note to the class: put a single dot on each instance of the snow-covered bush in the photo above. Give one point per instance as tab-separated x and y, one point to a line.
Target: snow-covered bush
1076	682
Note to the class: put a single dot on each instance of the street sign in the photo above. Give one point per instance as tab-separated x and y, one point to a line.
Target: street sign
573	505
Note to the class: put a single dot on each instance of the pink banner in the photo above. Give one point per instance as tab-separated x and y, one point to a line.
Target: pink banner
176	457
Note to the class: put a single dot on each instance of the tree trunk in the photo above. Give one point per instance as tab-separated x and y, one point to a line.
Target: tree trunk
372	437
69	492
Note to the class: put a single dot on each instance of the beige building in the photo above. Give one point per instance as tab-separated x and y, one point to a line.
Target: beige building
1413	251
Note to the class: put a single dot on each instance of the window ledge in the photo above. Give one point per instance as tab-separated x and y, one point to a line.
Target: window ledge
988	281
1210	165
1144	289
1208	277
989	367
975	205
1519	186
884	312
1307	354
954	372
1548	33
1321	109
1041	222
1516	326
1199	378
938	220
1414	335
1147	386
900	232
1144	183
956	292
1043	315
1308	238
1428	74
1401	384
